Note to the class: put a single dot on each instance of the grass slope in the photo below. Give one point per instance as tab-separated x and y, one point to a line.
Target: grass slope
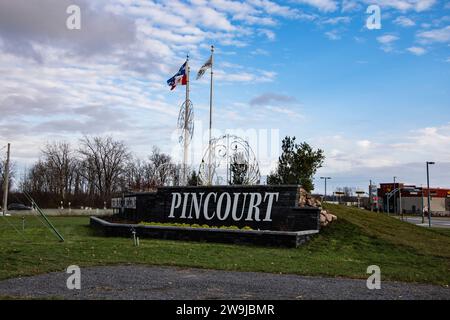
358	239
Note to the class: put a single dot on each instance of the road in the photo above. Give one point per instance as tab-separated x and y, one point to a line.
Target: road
166	283
436	222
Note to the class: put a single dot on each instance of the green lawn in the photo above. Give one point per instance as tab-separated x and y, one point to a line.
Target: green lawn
358	239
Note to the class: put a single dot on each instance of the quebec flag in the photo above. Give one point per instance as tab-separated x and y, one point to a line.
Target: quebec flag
179	78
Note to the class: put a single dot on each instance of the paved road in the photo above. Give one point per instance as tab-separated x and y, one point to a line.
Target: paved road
142	282
436	222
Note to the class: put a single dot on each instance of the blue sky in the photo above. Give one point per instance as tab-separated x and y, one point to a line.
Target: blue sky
376	101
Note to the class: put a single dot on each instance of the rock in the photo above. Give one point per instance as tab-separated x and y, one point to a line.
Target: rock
323	220
306	200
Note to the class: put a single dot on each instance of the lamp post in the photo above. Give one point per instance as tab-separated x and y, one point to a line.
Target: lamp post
428	188
395	200
422	211
325	178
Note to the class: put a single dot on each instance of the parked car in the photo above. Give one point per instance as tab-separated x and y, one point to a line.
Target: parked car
18	207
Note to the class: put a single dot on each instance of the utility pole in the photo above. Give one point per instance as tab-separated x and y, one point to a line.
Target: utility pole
325	178
429	193
6	182
395	199
371	196
400	200
422	209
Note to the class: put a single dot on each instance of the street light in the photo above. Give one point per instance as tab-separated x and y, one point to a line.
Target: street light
325	178
395	200
428	187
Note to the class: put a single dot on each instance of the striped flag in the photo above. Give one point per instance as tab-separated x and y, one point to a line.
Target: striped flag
179	78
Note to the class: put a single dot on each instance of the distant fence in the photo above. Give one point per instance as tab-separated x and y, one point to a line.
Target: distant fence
64	212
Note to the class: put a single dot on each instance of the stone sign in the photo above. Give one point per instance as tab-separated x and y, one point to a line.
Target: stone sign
257	207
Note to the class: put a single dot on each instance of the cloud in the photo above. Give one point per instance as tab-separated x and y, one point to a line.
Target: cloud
349	5
322	5
269	34
345	154
333	35
436	35
387	39
387	42
280	104
260	52
270	99
24	25
273	8
404	21
354	162
337	20
418	51
404	5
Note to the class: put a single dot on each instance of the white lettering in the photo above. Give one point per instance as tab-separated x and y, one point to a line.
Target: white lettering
183	211
270	204
197	205
255	201
227	208
205	208
235	203
176	202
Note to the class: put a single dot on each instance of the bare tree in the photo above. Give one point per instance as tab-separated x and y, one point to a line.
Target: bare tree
159	170
135	175
103	162
94	172
60	166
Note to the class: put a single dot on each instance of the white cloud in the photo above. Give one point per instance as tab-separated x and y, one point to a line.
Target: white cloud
435	35
354	161
404	5
322	5
269	34
50	90
387	42
333	35
418	51
387	39
260	52
404	21
349	5
337	20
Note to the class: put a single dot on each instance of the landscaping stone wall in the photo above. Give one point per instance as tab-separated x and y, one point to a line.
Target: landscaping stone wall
258	207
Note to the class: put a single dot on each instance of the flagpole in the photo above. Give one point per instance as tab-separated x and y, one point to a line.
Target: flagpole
210	116
186	121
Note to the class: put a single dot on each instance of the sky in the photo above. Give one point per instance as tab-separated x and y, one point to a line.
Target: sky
377	101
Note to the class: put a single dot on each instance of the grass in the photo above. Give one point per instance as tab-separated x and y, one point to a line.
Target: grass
403	251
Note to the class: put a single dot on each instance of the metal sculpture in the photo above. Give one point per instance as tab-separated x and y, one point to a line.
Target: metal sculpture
230	155
186	127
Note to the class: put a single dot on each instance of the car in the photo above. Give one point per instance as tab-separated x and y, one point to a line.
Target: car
18	207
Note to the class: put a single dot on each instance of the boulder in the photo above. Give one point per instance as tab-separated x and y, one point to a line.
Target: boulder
306	200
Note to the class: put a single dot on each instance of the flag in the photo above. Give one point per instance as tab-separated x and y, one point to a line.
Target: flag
179	78
206	66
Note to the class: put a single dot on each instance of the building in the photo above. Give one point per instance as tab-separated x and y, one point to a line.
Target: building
410	199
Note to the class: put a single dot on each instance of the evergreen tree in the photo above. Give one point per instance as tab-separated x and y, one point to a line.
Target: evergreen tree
238	169
297	164
193	179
